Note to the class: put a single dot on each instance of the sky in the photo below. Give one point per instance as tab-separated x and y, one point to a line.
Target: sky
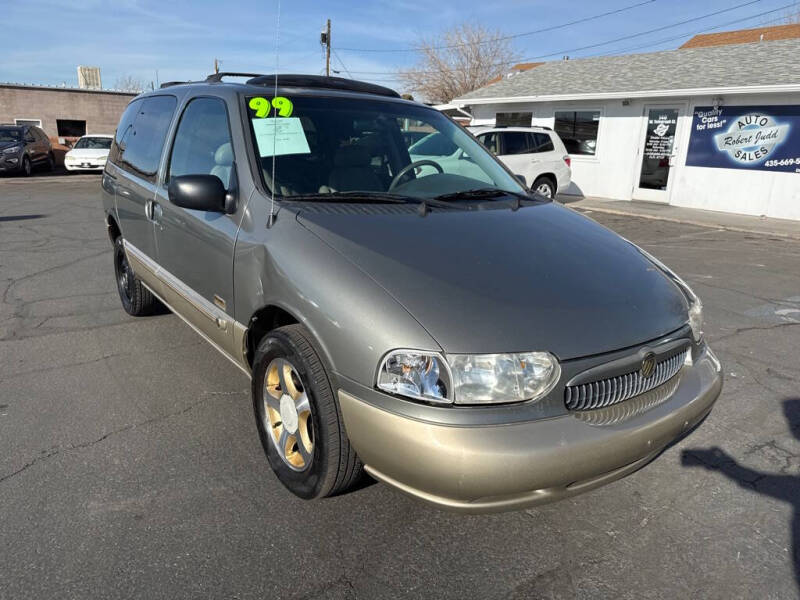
163	40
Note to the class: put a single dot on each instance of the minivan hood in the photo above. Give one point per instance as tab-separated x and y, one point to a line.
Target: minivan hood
540	278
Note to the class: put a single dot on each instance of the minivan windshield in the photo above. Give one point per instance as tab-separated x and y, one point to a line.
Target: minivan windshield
93	143
351	146
10	135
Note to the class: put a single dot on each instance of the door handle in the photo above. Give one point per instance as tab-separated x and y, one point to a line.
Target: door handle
152	211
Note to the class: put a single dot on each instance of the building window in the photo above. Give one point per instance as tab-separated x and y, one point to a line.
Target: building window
33	122
513	119
578	130
70	128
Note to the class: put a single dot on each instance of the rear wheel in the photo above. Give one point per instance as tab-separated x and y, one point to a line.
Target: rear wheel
136	299
544	186
51	163
298	417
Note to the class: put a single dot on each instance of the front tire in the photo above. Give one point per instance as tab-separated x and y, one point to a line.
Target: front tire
26	168
544	186
298	416
136	299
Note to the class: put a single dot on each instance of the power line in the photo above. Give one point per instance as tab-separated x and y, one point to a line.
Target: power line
698	32
336	54
513	36
779	19
597	45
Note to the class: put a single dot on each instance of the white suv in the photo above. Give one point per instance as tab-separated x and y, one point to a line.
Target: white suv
536	153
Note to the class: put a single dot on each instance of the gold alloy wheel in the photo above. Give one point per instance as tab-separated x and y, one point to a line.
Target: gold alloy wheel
286	414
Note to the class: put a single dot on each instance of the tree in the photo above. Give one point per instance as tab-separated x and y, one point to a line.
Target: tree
458	61
129	83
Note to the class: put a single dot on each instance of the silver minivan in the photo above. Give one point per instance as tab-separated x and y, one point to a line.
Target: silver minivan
471	343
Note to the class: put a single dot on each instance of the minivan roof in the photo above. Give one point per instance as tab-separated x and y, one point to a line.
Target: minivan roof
297	82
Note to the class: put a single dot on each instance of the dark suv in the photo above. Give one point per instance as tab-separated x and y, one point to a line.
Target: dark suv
467	341
24	147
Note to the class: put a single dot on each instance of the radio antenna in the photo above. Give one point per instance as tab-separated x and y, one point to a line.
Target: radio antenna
275	121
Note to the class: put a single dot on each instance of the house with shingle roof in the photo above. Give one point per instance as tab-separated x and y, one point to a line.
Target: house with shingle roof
714	127
744	36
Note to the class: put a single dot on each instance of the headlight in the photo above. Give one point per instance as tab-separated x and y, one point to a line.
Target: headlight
696	319
494	378
416	374
468	379
695	306
12	150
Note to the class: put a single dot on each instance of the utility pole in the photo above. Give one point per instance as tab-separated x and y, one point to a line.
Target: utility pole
325	38
216	66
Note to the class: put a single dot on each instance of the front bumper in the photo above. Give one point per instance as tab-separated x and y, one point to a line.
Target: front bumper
88	165
10	162
511	466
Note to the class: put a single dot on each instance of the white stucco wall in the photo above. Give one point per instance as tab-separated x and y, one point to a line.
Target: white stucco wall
614	170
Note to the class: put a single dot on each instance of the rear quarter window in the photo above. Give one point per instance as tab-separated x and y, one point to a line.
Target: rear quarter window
124	127
543	142
143	141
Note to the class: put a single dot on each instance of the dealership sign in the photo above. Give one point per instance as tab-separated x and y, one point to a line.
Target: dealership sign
766	138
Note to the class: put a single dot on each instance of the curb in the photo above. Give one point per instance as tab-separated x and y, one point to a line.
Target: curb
623	213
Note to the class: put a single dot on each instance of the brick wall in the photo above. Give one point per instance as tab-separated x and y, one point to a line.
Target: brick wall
100	110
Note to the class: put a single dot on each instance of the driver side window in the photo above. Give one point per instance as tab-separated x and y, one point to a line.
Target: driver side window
202	143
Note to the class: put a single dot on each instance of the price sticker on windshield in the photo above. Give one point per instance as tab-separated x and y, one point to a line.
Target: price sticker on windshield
262	107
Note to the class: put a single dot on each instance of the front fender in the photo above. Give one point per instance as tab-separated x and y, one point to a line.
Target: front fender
354	321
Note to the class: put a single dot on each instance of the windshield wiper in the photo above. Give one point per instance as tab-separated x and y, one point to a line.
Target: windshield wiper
485	193
480	193
378	197
352	197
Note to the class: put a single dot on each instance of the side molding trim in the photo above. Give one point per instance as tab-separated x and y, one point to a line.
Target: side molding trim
215	326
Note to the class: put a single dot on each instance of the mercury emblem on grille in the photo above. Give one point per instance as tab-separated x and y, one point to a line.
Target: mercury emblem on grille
648	365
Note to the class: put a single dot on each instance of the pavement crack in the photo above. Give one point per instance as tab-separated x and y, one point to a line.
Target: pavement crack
739	330
56	450
783	453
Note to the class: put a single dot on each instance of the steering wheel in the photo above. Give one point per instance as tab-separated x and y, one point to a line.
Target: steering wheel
413	165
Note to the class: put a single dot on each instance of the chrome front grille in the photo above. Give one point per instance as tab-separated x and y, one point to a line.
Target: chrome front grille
617	413
610	391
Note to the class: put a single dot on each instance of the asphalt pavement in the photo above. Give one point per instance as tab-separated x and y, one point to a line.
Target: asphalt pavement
130	466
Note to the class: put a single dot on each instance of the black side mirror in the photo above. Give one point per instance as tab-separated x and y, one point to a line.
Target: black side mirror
520	178
198	192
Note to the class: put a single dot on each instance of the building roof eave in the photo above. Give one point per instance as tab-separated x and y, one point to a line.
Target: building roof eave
758	89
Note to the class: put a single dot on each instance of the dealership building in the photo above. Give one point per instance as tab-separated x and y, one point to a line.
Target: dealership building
64	113
714	127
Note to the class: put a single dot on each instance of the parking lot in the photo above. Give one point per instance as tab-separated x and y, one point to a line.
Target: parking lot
130	464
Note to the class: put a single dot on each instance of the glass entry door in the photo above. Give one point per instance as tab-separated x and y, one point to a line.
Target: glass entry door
657	153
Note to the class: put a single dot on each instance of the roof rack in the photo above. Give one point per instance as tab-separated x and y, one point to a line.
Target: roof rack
323	82
217	77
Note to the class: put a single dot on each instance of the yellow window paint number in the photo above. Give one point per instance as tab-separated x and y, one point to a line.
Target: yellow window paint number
283	105
262	106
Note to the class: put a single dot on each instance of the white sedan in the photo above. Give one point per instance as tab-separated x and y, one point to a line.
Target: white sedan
89	153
